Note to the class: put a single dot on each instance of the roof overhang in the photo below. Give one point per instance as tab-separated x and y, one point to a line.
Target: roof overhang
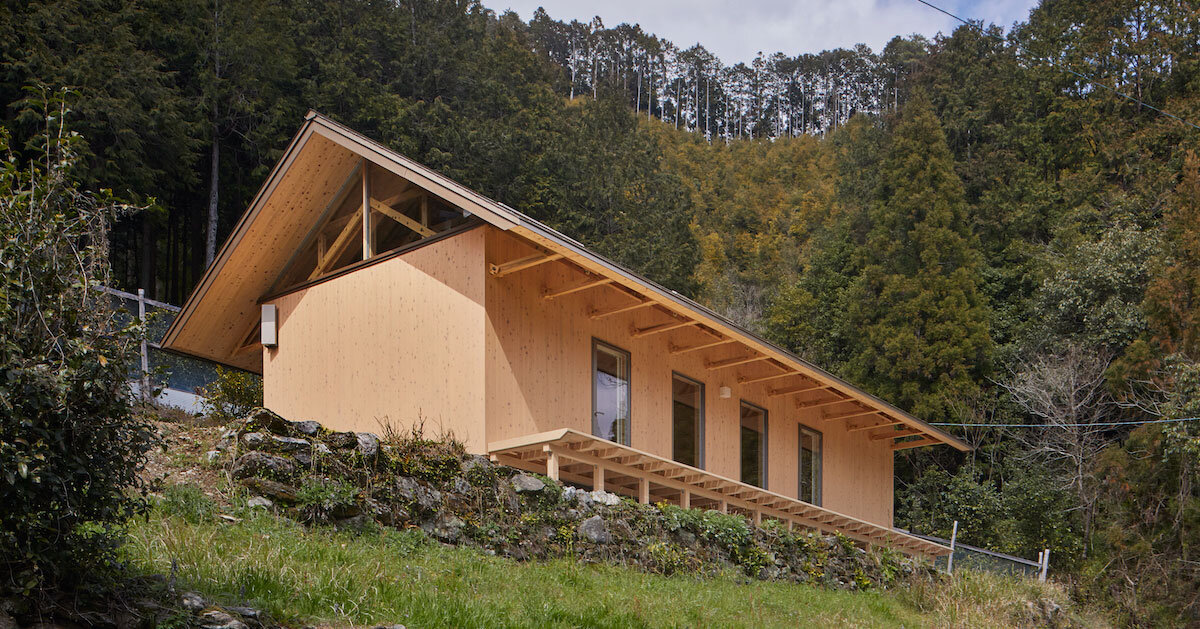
224	307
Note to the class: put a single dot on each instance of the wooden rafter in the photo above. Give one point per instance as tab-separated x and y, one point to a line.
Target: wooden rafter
894	434
914	443
528	262
785	374
733	362
662	327
849	414
592	283
821	403
675	351
337	248
890	422
600	314
800	388
391	213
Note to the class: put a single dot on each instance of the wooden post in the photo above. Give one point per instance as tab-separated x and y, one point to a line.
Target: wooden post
723	507
1045	564
757	517
552	465
950	557
145	351
790	523
368	243
598	477
685	499
644	491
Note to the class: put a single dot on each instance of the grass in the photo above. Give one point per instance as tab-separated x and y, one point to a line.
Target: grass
303	576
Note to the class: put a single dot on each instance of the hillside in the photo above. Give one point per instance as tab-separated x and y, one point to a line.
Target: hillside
310	558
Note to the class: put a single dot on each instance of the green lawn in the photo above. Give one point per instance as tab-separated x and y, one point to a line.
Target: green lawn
306	576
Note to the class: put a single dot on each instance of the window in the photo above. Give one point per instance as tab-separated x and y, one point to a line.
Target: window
754	445
810	466
687	421
610	393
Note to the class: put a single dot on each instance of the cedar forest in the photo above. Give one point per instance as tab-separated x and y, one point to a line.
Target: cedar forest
976	227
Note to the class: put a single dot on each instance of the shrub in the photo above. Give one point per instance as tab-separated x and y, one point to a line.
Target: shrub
232	395
321	500
70	444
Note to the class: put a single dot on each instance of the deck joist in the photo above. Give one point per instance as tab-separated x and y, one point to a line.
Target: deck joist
574	457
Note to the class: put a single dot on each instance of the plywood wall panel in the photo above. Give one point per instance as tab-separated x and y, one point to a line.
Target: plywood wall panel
538	375
400	341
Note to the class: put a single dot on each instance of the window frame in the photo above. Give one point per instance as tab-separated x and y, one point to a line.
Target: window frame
818	485
625	439
762	441
700	418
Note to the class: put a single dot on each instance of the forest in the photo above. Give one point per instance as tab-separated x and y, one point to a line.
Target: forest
997	229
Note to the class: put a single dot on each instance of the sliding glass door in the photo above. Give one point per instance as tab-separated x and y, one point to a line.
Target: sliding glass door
754	445
687	421
810	466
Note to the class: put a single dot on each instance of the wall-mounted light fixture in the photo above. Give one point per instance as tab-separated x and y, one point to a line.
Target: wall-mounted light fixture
267	334
725	393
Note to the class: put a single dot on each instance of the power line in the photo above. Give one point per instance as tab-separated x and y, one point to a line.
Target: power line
1137	423
1085	77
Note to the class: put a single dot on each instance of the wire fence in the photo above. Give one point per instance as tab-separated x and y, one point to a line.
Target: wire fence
973	557
178	376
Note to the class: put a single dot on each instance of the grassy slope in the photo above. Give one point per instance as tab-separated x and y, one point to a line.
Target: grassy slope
305	576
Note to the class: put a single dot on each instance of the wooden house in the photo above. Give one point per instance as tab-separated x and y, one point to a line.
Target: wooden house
367	288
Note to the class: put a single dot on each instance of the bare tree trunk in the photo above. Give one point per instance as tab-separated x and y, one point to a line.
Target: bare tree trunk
210	245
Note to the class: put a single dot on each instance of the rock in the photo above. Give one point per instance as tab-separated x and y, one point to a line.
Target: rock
525	483
289	444
259	463
265	419
603	497
368	444
620	530
219	619
411	490
460	486
192	601
342	439
212	456
447	528
226	440
391	627
244	612
272	489
358	522
321	448
254	440
259	501
595	529
310	428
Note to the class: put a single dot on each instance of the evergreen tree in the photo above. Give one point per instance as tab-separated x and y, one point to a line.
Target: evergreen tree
924	325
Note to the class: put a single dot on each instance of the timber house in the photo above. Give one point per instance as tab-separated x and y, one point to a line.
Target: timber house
365	287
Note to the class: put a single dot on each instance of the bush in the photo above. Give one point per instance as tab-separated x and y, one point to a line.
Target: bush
232	395
71	446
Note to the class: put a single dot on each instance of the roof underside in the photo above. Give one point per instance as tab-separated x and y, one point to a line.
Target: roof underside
220	319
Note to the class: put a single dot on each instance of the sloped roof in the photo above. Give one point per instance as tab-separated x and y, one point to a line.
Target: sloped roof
224	307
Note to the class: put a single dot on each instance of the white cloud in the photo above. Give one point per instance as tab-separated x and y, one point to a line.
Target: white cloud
735	30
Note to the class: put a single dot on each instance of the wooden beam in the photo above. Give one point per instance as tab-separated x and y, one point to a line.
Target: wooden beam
849	414
743	380
368	239
335	250
401	218
820	403
555	294
598	477
893	422
914	443
528	262
733	362
800	388
600	314
662	327
893	434
551	463
675	351
644	490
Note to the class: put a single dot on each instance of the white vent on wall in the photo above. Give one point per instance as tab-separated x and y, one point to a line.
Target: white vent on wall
268	335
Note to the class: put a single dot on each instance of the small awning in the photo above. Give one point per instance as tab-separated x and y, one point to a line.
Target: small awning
575	457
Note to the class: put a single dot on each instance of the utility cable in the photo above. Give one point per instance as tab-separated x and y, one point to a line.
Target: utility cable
1080	425
1085	77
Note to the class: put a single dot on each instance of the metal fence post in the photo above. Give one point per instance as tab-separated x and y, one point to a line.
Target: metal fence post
950	557
145	351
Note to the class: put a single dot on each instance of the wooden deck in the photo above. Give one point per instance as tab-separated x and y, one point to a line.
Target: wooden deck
579	458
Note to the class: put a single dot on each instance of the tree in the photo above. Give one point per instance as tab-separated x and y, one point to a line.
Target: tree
924	324
71	446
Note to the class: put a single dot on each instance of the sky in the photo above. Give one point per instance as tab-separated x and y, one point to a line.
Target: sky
736	30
